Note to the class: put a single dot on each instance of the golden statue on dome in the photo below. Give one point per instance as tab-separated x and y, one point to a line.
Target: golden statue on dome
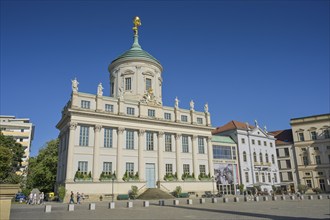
137	23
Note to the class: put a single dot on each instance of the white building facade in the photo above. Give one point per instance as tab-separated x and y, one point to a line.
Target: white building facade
130	136
22	130
256	153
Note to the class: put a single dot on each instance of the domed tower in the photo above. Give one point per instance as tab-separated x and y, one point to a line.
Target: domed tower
136	75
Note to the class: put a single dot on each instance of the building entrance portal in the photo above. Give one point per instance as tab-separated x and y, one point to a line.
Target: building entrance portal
150	175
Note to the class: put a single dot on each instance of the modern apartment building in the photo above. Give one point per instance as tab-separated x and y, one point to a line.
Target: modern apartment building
286	160
311	136
22	130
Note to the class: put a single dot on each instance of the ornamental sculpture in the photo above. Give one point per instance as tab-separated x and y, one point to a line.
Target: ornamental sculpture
137	23
75	85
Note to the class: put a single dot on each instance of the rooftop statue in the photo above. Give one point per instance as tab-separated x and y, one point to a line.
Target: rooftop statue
206	108
176	105
137	23
75	85
100	90
192	105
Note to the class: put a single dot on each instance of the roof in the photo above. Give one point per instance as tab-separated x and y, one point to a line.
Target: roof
135	52
223	139
283	137
232	125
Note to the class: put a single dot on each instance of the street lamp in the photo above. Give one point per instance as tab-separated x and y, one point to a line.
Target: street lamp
113	180
213	185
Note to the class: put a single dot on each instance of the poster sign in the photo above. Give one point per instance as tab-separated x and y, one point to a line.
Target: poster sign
225	173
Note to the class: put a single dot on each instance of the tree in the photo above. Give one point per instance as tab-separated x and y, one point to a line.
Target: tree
11	154
43	168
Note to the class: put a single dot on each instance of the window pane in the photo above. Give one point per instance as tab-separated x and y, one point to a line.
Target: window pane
129	139
185	145
108	137
201	145
84	136
168	142
150	141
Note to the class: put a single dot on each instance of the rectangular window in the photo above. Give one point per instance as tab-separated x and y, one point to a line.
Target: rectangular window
265	143
320	173
326	134
148	84
277	153
288	164
222	152
184	118
130	111
301	136
108	137
150	140
85	104
151	113
309	183
307	174
108	108
313	135
84	136
201	145
243	140
271	144
318	159
83	167
169	168
259	142
253	141
168	142
107	167
233	151
185	144
263	177
130	169
247	177
305	160
167	116
257	177
316	148
269	178
290	177
202	169
286	152
186	169
275	178
128	83
129	139
200	121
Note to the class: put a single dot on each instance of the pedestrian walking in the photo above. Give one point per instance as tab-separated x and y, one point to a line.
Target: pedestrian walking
42	197
34	199
78	198
30	198
72	198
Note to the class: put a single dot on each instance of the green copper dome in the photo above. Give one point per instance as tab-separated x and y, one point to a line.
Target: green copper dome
136	52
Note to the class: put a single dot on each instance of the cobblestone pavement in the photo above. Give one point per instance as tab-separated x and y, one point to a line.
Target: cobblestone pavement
277	210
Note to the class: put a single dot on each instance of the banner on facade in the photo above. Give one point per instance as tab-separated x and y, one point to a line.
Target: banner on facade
225	173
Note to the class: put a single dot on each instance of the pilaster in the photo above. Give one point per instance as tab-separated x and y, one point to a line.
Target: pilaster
178	156
96	153
119	165
210	155
69	166
160	155
140	155
194	155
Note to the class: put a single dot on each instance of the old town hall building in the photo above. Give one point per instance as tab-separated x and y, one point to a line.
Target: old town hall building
129	138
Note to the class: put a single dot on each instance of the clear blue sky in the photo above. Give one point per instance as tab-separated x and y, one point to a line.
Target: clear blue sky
264	60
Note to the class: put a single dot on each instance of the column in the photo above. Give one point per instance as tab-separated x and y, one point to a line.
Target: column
69	161
160	155
96	153
119	165
178	156
194	156
140	155
210	155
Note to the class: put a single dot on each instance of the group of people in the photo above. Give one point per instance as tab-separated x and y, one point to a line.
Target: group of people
36	199
79	197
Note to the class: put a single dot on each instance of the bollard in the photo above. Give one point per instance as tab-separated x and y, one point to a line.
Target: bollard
225	200
145	203
310	197
236	199
301	197
246	199
265	198
274	198
175	202
48	208
202	201
129	204
71	207
320	197
214	200
161	202
92	206
111	205
282	197
328	196
189	201
292	197
256	198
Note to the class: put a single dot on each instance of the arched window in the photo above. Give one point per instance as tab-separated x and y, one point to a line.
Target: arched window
260	156
255	157
244	156
273	159
267	159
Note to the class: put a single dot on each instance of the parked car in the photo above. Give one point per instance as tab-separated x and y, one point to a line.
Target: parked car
20	197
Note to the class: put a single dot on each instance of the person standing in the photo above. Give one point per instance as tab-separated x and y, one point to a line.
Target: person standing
42	197
34	199
71	198
30	198
78	198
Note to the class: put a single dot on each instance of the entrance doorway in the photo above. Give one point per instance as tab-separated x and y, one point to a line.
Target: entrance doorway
150	175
